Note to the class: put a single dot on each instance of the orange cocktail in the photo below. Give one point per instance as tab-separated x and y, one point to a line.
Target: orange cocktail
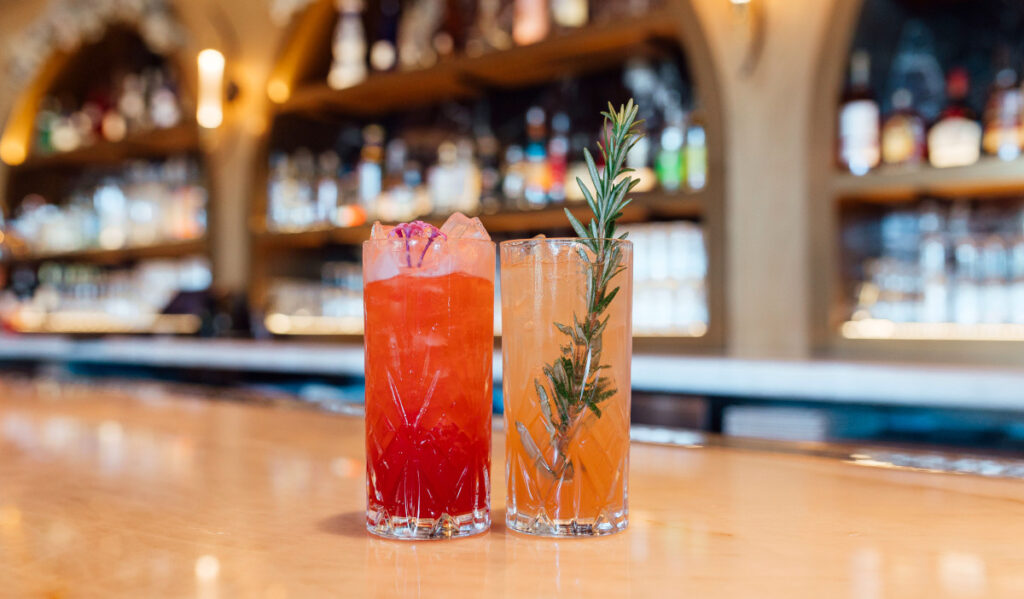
429	345
567	400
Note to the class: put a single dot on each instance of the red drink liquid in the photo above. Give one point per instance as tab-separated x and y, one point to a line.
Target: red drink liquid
429	345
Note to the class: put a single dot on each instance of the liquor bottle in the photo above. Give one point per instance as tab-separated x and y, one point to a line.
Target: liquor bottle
348	48
1017	270
276	191
468	177
558	156
966	303
327	188
1003	135
668	164
369	171
916	69
450	39
401	195
418	23
955	140
488	147
164	111
859	148
932	263
302	208
995	296
132	102
443	180
384	51
696	155
577	167
903	134
489	32
569	14
513	179
532	21
538	169
639	159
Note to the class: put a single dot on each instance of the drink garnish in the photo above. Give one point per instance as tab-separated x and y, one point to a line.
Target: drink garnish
575	385
416	230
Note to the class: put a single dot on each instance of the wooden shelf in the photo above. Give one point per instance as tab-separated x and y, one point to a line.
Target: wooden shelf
156	143
645	207
989	177
115	256
460	77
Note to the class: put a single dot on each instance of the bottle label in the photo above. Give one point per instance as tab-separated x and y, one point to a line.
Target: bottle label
858	136
954	141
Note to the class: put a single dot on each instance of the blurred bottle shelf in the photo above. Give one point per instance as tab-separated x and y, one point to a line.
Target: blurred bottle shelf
989	177
171	249
645	207
154	143
460	76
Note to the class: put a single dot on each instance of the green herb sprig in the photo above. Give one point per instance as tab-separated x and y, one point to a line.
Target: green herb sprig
574	383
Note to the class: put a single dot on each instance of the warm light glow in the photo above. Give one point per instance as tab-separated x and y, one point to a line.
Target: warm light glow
739	2
12	152
207	568
209	109
873	328
278	91
299	324
34	321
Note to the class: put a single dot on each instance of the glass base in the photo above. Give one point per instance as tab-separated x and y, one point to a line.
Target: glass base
542	526
408	528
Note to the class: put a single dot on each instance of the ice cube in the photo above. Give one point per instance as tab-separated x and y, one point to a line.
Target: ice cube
460	226
380	231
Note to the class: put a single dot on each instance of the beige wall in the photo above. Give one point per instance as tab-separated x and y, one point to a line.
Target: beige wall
767	137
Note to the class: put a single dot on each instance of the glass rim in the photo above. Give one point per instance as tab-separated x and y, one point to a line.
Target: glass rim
457	240
562	240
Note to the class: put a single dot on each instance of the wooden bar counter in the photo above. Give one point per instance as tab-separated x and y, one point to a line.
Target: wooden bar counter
143	492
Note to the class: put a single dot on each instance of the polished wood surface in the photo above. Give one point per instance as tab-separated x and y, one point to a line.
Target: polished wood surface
141	492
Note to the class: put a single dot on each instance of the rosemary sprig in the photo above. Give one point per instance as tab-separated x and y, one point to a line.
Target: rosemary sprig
574	382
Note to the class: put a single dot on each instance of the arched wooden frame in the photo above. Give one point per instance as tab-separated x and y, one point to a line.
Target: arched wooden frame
309	37
20	127
828	303
21	119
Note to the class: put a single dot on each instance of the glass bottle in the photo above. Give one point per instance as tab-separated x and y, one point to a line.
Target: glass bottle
532	21
932	263
1017	270
384	51
696	156
369	172
327	188
348	67
569	14
1003	135
558	155
668	164
513	180
903	134
538	171
955	140
859	147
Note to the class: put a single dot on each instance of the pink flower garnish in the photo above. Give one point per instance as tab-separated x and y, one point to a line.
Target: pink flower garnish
416	230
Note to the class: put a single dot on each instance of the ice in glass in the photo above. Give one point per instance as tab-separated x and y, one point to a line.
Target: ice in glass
566	346
429	305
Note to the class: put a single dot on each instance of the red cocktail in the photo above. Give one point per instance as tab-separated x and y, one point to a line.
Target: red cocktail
429	302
